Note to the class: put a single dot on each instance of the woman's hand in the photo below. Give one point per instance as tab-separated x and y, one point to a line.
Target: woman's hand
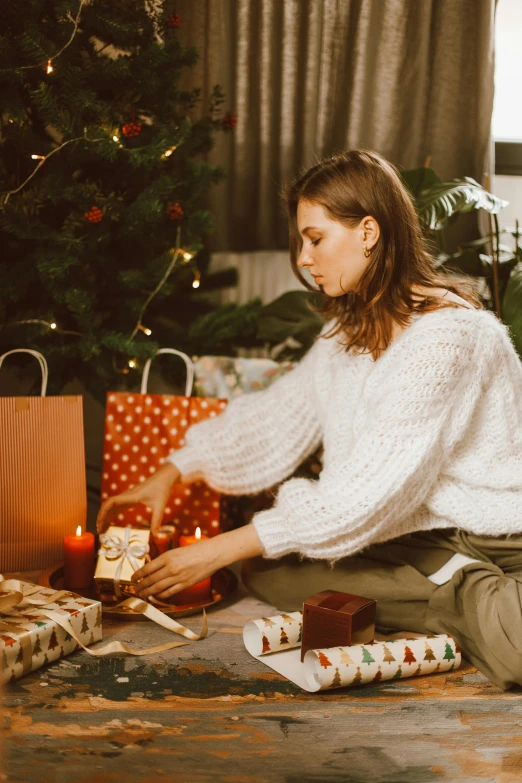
154	492
185	566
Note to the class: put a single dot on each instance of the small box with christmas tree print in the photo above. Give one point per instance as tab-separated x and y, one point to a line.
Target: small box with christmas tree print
29	639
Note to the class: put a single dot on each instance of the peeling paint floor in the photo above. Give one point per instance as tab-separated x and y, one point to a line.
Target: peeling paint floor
209	712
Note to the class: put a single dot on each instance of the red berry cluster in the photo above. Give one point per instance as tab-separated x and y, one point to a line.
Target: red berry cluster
175	211
131	129
174	20
94	215
229	121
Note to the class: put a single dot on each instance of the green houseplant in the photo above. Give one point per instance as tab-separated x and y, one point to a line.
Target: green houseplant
498	272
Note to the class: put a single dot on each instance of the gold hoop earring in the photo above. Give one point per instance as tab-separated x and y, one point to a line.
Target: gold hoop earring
366	252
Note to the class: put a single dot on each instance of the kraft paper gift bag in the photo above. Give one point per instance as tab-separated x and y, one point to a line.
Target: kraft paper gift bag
140	432
43	493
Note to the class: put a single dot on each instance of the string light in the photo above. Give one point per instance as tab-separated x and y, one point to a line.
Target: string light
132	362
50	325
188	256
144	329
197	278
168	270
43	159
169	152
115	138
50	68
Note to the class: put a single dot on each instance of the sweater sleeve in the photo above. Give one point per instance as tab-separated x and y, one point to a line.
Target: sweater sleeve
260	438
367	497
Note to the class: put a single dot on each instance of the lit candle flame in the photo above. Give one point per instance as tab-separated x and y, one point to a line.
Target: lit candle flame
79	530
198	533
50	68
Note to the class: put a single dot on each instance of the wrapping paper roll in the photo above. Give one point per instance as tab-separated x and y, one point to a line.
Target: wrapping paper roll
272	634
394	659
276	642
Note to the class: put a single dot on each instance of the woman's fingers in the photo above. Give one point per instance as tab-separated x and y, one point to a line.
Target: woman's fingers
170	591
150	568
114	504
158	587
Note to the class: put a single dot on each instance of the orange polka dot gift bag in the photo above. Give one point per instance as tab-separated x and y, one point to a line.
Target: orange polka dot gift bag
140	431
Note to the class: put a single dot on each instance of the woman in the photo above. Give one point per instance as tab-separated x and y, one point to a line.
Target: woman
415	392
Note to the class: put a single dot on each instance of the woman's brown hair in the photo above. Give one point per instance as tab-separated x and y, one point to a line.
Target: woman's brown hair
349	186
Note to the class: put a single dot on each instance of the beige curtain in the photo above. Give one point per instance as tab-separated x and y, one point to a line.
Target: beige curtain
409	78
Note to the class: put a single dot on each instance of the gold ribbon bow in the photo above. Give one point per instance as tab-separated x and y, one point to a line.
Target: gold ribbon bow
15	598
122	549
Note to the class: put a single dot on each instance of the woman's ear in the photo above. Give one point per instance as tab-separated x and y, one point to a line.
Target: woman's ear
370	231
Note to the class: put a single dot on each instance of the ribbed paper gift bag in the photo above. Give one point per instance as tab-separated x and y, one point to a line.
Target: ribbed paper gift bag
43	492
140	431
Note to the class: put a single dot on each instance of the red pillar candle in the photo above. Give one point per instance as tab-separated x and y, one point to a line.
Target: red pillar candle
162	541
199	593
78	552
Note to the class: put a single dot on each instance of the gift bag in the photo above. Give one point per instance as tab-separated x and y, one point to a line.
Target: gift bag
140	431
43	494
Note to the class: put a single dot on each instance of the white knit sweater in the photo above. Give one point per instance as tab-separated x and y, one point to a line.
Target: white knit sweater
428	436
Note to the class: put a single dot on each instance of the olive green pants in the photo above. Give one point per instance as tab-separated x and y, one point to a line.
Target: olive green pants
480	606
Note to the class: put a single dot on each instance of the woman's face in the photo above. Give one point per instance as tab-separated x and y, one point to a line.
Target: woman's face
333	252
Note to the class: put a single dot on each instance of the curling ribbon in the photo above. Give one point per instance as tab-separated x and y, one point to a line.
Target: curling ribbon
13	593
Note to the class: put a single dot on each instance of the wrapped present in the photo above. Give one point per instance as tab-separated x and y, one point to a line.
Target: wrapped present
335	619
276	642
40	625
123	550
227	377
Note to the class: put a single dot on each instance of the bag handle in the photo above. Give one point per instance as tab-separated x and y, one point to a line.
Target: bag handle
41	360
188	364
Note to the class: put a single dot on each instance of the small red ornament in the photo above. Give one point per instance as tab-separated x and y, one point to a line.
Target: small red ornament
94	215
174	20
175	211
229	121
131	129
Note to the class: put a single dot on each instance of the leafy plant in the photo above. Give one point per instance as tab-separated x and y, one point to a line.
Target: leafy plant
438	204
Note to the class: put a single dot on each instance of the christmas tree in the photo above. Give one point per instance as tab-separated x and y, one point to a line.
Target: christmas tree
53	641
20	656
5	664
266	644
448	653
398	674
367	656
7	640
268	622
288	618
336	682
388	657
345	658
378	675
102	187
358	677
284	637
323	660
98	622
409	656
37	649
429	654
85	625
300	637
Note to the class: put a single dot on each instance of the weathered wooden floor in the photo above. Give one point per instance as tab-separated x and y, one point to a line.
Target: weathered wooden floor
210	712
